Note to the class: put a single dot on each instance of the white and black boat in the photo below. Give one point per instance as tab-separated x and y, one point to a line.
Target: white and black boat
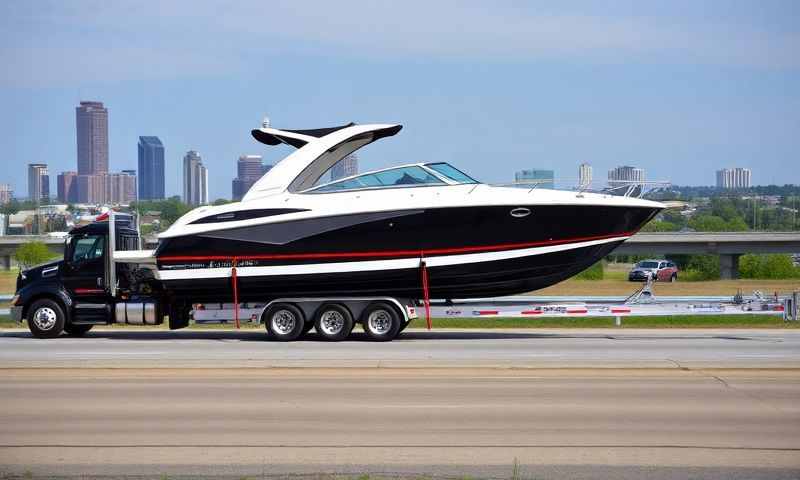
293	235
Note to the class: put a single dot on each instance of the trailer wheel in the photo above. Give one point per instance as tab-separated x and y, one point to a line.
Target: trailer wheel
381	322
333	322
284	322
46	319
77	330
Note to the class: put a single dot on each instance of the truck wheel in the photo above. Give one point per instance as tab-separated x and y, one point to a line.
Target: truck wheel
333	322
381	322
45	319
77	330
284	322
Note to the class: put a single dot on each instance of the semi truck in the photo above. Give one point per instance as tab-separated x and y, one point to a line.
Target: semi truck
105	277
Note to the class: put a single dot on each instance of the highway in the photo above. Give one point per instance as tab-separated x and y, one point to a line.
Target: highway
563	403
585	348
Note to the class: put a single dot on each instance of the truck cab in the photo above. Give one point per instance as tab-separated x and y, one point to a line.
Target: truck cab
87	287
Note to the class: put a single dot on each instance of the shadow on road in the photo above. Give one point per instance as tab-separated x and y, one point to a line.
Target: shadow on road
261	336
357	336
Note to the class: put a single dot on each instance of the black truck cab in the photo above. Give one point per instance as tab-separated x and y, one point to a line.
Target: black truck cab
85	287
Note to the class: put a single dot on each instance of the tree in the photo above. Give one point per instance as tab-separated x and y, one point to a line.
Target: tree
660	226
11	207
770	266
705	267
708	223
221	201
33	253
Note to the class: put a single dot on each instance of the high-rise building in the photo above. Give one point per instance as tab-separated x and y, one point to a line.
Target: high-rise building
38	183
195	179
734	178
120	188
346	167
92	189
151	168
111	188
249	169
67	187
625	174
6	193
91	119
584	175
535	177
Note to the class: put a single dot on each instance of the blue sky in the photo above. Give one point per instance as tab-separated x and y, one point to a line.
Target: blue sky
680	88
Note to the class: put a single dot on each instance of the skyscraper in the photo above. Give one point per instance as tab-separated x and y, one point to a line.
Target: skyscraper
195	179
249	169
38	183
584	175
734	178
91	120
67	187
535	177
625	174
120	188
6	193
346	167
151	168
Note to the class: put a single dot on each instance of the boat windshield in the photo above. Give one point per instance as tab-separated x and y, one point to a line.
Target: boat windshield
410	176
451	172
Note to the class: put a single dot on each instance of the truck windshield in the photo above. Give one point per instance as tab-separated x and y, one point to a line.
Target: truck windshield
88	248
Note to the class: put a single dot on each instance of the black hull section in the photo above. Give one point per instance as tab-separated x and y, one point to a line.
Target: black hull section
431	233
484	279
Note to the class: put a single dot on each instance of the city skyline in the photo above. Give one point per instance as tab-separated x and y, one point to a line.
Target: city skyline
656	84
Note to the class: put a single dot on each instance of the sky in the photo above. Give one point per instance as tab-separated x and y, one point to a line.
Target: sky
680	88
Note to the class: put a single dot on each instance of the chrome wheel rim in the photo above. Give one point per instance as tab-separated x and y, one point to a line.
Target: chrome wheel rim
379	322
45	318
283	321
331	322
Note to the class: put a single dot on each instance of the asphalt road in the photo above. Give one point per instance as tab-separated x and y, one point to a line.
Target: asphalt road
564	404
485	348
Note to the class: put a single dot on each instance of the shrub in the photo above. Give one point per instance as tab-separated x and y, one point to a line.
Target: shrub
595	272
702	267
33	253
770	266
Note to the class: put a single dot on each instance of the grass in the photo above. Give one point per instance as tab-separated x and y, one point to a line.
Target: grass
8	281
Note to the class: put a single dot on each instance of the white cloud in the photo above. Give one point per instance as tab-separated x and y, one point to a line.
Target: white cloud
63	42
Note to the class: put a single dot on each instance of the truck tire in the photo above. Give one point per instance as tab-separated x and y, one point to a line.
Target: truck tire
77	330
46	319
284	322
333	322
381	321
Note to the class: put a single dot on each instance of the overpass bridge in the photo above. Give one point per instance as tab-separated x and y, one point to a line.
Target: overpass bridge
729	245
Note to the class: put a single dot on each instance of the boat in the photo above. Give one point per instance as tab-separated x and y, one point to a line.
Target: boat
296	233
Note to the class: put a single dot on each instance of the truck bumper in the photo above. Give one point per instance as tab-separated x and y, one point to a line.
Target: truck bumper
16	313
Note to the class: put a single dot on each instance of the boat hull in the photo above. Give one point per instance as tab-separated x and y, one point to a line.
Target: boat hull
468	252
